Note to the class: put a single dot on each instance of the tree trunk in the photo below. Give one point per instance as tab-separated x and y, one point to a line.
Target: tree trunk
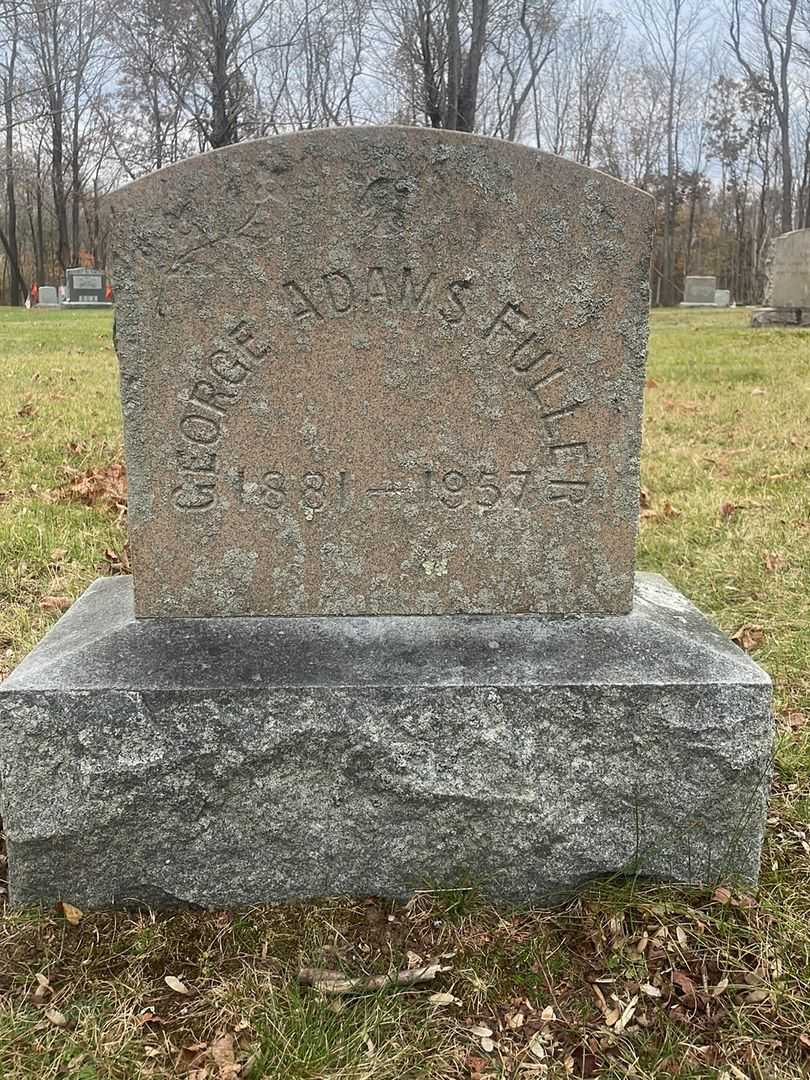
469	87
17	287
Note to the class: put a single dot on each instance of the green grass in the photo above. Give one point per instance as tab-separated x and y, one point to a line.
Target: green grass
727	519
58	412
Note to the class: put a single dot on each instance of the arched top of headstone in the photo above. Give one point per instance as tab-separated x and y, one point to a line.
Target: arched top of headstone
381	370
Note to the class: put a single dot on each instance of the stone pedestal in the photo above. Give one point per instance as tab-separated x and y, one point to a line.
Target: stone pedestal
781	316
221	762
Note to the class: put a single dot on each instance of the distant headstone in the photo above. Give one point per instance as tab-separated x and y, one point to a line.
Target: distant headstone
722	298
366	374
699	292
788	290
48	296
789	274
85	287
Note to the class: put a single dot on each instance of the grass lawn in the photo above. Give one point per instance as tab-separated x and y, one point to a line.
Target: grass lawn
626	980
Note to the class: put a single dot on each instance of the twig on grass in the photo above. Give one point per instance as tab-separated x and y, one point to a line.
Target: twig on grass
335	982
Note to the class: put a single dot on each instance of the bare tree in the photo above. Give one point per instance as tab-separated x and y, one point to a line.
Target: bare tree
310	71
519	48
599	38
149	126
10	43
667	28
217	43
772	25
444	41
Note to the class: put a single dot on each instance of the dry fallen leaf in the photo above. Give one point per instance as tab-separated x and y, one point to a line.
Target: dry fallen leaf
727	509
749	637
481	1030
650	990
476	1065
774	562
536	1047
43	987
627	1015
106	486
547	1015
56	1017
224	1057
55	603
487	1045
720	988
443	998
644	499
611	1016
117	562
666	512
722	895
71	913
684	983
756	996
177	985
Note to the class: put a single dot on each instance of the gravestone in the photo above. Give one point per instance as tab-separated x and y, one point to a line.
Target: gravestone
699	292
48	296
722	298
85	288
381	394
381	474
788	290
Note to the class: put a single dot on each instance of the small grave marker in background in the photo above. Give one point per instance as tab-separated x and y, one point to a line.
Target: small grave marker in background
699	292
48	296
85	287
788	290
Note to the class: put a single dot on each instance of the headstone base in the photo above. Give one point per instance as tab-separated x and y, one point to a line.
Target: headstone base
87	304
224	762
775	316
683	303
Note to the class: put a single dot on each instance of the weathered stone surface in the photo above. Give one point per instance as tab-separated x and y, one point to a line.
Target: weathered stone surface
381	371
781	317
722	298
699	290
789	271
225	762
48	296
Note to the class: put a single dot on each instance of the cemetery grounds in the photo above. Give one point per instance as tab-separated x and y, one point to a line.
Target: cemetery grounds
628	979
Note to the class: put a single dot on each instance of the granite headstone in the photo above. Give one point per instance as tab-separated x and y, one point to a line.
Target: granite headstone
787	296
85	287
722	298
48	296
789	271
699	291
416	390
